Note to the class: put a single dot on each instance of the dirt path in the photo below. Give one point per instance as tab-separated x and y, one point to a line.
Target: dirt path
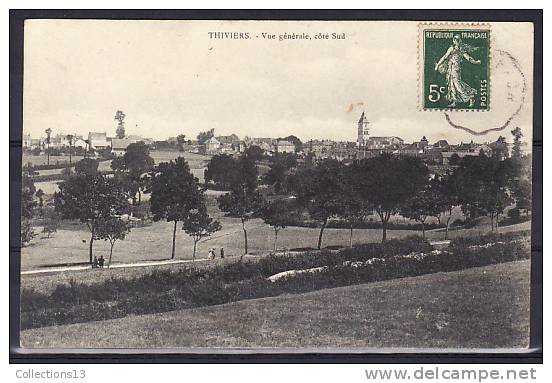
115	266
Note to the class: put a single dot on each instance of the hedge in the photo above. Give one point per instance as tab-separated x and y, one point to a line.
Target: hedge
60	176
161	291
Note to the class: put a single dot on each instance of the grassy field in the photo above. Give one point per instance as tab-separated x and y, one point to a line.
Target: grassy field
70	243
197	164
484	307
43	159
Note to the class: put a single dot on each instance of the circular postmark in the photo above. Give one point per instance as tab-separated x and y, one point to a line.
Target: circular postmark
508	96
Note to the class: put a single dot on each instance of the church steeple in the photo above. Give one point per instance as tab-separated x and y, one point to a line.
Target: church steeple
363	130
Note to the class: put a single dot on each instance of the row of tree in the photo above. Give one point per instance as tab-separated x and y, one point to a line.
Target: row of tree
104	203
385	185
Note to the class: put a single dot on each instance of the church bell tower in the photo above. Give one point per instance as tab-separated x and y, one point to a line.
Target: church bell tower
363	131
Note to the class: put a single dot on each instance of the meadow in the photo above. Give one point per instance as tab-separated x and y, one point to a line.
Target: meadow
69	245
42	159
197	163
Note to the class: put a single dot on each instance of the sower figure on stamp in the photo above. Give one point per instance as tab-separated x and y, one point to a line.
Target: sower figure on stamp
450	64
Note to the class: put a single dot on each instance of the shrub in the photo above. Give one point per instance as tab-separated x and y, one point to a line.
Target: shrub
298	220
462	242
57	165
457	222
27	232
514	214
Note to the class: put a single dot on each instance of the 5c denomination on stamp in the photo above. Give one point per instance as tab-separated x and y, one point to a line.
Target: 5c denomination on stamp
455	68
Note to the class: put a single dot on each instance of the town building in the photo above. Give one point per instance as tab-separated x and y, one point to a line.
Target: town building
98	141
441	144
79	142
363	131
37	143
119	145
466	150
59	141
26	141
231	140
212	145
285	147
319	148
389	142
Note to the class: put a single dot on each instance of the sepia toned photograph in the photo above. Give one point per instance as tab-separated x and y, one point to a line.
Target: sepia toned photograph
280	186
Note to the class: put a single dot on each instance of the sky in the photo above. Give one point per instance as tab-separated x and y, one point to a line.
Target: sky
170	78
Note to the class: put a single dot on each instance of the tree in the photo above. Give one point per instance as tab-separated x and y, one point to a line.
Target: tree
500	148
320	191
421	206
28	190
87	149
40	195
204	136
175	194
112	229
51	222
120	118
87	166
483	187
92	199
279	170
521	191
276	214
243	204
516	148
521	181
254	152
222	170
70	139
136	162
295	141
199	225
181	140
454	160
28	205
27	232
48	135
243	201
387	182
444	194
354	209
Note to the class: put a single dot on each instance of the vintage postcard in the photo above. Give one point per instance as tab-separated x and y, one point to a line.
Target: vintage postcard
220	186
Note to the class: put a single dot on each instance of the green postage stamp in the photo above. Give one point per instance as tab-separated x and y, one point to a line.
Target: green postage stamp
455	68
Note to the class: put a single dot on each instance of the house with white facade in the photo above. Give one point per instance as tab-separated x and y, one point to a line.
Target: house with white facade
98	141
285	147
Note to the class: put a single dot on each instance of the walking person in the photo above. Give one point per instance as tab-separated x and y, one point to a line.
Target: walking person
95	262
101	261
222	253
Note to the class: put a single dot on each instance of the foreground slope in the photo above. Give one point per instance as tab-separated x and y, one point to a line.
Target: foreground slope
485	307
